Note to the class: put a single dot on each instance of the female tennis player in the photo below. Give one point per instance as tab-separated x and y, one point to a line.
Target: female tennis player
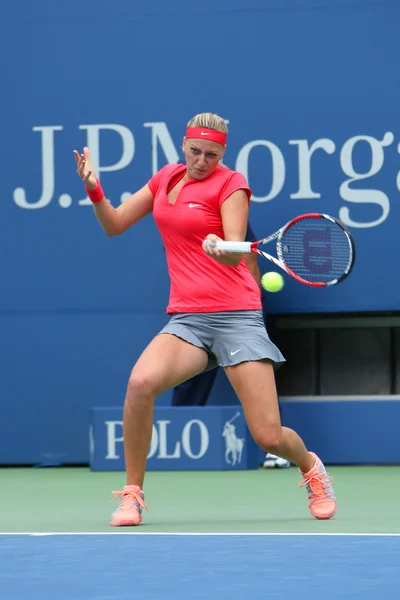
215	308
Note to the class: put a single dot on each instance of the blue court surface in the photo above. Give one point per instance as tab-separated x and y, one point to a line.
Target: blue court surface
172	567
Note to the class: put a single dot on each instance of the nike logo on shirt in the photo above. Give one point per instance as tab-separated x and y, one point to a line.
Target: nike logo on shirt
236	351
191	205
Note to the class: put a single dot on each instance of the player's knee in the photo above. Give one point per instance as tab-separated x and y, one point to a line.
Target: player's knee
268	438
140	388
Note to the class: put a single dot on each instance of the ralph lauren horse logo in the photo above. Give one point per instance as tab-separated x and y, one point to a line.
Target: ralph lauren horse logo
233	444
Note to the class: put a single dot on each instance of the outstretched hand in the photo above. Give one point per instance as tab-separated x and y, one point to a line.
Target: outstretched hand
85	168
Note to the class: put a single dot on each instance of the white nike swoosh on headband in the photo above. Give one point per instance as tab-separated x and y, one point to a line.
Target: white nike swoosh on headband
204	133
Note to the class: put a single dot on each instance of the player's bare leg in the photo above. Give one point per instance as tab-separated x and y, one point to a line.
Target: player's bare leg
166	362
254	383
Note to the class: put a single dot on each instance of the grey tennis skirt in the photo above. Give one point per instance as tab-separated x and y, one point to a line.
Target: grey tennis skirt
229	338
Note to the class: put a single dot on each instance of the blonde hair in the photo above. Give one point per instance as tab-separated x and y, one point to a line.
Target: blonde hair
209	121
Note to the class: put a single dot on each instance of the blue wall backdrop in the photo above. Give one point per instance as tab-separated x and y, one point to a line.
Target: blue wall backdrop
311	91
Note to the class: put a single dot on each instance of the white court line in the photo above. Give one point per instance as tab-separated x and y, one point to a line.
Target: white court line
198	534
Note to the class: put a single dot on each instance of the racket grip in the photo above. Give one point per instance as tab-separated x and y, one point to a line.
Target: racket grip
234	246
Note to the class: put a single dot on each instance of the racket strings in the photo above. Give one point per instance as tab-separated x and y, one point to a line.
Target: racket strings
317	250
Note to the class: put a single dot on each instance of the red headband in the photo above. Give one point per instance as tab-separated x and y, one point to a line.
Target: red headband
206	134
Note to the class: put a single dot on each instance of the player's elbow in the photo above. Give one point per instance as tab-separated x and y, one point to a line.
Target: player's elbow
111	231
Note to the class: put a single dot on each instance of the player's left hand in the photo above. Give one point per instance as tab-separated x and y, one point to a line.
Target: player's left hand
210	249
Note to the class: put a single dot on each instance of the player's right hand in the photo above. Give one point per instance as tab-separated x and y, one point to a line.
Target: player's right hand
84	168
209	246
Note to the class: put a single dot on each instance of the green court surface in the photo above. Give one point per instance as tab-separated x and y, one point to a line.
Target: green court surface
261	501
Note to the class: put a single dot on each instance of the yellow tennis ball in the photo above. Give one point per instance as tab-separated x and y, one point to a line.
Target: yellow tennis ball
272	282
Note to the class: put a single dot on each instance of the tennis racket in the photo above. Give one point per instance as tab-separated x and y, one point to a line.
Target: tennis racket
315	249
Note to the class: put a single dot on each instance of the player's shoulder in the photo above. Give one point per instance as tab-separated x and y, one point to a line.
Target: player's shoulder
226	173
224	170
229	177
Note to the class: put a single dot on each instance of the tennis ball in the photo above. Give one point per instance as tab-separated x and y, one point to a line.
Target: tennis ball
272	282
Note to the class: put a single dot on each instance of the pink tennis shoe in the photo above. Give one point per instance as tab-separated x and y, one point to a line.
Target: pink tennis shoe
129	511
321	497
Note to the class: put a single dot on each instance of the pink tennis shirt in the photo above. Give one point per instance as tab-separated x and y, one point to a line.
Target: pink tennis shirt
198	282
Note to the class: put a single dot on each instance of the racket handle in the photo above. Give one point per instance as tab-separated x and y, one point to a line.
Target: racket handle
234	246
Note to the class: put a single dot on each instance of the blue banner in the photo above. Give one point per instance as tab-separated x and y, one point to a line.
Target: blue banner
312	106
362	430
